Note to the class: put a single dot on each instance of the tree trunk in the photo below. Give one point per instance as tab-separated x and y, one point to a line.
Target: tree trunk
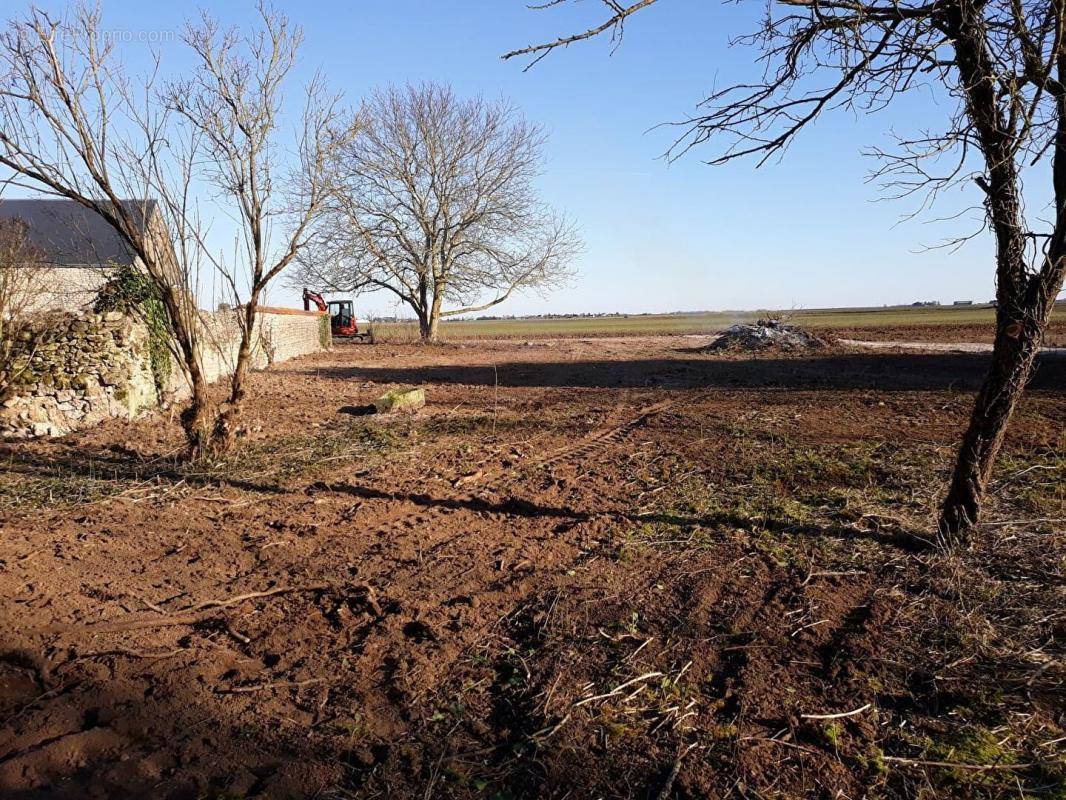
228	423
432	331
427	331
429	320
1024	300
1015	350
196	419
434	314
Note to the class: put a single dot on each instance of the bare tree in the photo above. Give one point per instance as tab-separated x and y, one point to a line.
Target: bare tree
234	100
20	286
434	202
74	125
1004	64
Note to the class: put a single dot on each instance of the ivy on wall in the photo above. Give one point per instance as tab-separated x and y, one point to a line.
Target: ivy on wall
131	291
324	332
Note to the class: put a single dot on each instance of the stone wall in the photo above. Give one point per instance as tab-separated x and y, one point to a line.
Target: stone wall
68	288
71	371
75	370
281	334
288	332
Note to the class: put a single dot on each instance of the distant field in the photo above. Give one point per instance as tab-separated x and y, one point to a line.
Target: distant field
678	324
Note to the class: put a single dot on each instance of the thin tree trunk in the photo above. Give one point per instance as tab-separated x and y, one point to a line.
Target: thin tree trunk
426	329
228	422
197	418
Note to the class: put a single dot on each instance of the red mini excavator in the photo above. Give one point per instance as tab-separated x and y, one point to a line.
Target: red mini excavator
341	315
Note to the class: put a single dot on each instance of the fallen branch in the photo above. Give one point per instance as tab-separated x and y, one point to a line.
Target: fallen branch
118	651
841	715
917	762
240	637
262	686
189	615
808	625
150	605
669	785
8	720
136	624
545	733
831	574
232	601
783	743
618	689
1022	522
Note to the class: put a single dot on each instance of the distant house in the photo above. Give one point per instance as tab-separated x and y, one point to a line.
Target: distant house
963	303
79	248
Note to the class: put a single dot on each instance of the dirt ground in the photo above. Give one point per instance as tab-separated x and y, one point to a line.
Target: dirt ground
1054	336
615	569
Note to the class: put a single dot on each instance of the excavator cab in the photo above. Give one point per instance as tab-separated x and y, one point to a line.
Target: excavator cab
342	318
341	315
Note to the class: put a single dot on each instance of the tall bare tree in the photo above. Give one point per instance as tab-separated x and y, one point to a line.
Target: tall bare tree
1003	62
73	124
275	187
434	202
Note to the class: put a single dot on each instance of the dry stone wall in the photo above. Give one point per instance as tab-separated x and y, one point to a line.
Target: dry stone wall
75	370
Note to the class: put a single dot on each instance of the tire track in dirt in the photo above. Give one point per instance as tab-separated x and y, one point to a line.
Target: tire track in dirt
446	577
420	518
604	436
608	433
774	639
759	595
411	521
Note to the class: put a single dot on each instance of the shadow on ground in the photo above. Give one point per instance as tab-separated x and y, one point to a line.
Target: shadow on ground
521	507
117	464
882	372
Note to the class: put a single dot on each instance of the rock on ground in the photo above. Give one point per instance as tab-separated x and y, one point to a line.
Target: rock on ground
409	400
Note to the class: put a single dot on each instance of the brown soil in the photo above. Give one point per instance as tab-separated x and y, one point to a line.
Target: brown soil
587	569
1055	336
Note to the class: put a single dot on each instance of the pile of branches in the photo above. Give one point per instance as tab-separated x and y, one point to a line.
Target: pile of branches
765	334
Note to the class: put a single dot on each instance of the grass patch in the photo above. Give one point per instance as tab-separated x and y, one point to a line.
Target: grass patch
278	461
1036	481
73	476
972	747
791	487
61	487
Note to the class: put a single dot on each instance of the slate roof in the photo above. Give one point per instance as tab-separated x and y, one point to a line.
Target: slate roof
70	235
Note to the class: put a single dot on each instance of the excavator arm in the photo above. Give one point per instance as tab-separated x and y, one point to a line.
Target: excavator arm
316	298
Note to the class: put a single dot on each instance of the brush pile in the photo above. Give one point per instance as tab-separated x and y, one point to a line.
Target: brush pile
766	334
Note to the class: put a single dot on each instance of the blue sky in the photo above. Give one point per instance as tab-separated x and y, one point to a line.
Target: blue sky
807	231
